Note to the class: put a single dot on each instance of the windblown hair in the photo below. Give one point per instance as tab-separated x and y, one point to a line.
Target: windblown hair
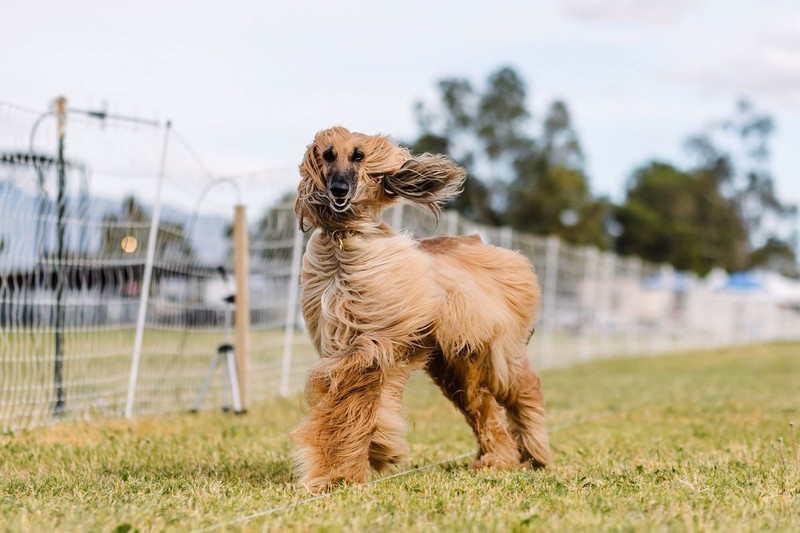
388	171
380	305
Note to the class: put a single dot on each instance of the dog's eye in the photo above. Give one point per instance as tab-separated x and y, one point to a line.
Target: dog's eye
358	155
328	155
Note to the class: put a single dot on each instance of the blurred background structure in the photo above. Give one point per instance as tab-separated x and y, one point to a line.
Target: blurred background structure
650	177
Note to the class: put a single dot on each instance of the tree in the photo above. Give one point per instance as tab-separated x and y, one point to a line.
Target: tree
534	184
279	219
480	132
274	231
550	192
736	151
128	231
721	211
777	256
679	217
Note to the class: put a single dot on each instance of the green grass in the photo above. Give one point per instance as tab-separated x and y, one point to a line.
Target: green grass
699	441
97	366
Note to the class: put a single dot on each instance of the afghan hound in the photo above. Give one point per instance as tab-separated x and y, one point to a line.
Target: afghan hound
380	305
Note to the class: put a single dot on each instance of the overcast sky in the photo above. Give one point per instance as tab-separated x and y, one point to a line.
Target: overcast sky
249	83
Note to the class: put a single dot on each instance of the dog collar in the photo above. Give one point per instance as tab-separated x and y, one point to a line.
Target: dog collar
339	236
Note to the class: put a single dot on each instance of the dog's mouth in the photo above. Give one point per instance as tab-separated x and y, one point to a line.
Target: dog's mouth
340	205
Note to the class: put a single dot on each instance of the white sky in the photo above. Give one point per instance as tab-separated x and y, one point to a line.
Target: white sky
249	83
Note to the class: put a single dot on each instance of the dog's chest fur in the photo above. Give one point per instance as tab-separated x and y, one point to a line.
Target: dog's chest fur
377	287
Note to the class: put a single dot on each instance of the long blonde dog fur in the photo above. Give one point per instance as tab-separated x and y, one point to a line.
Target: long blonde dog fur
380	305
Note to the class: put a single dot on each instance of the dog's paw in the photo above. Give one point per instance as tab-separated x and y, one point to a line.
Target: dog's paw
541	459
318	484
497	461
533	463
326	483
383	456
385	462
322	484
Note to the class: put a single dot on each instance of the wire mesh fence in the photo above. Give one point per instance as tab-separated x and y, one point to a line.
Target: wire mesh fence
116	271
78	315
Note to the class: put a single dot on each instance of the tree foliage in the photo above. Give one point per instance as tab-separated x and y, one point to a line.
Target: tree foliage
679	217
721	211
535	183
529	172
550	190
134	221
769	221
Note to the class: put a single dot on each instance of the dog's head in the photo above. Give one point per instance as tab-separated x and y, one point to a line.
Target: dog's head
349	178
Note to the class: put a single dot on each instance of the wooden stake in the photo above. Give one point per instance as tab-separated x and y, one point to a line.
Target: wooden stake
241	266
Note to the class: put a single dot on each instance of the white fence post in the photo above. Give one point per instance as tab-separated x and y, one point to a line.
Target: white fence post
147	279
291	311
549	296
452	222
588	303
667	275
507	237
607	316
635	279
397	216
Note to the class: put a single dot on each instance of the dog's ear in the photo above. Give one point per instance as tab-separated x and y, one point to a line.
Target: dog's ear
311	181
429	180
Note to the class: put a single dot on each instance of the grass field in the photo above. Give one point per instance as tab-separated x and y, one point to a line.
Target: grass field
698	441
97	367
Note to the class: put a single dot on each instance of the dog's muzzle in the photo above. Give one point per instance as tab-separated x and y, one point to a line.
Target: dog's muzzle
340	193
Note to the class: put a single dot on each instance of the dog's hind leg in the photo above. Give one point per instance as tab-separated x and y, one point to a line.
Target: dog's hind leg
460	382
519	390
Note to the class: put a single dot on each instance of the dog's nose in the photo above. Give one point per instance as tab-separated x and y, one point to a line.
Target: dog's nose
339	189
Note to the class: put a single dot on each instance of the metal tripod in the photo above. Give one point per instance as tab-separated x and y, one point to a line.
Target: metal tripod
224	354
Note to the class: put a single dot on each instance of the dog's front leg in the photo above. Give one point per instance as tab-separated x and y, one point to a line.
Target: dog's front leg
344	396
